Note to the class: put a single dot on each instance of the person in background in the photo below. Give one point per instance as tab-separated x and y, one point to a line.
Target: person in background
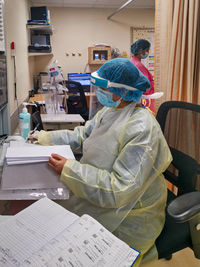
140	50
118	180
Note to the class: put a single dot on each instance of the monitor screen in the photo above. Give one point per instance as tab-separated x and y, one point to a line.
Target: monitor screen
40	39
82	78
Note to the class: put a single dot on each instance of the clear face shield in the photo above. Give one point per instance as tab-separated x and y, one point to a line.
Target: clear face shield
95	105
101	97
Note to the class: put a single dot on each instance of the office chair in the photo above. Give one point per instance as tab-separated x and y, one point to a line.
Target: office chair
36	119
76	103
180	123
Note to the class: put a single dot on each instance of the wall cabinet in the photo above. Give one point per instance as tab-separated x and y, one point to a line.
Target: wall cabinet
39	39
98	55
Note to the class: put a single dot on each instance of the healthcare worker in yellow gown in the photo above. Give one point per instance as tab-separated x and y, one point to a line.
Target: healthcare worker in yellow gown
118	180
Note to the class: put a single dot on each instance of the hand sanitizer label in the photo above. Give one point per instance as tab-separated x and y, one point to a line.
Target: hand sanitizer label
21	121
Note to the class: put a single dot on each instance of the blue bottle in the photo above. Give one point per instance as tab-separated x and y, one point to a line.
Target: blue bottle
24	122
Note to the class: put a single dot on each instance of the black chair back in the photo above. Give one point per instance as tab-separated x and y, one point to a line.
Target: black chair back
36	119
76	103
180	123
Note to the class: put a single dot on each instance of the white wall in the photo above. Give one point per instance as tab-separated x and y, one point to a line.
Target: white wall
16	15
75	29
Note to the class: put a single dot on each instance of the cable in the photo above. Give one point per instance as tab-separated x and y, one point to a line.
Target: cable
15	78
120	8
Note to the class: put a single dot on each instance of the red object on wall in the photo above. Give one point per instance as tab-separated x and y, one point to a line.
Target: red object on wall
12	46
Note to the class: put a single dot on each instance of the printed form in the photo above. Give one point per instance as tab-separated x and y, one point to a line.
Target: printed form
45	234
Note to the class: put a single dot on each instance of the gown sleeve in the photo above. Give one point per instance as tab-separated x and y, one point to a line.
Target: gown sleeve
74	138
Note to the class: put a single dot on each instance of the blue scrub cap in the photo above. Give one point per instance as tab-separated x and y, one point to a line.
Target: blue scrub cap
122	71
139	45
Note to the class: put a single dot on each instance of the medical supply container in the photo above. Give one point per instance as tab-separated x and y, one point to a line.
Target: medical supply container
24	122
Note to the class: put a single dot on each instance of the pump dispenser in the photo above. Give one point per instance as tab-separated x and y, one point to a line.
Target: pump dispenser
24	121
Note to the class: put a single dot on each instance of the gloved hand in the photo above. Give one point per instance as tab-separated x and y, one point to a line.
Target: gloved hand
33	136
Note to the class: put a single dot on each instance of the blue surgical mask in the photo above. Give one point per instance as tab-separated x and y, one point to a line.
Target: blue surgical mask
144	56
105	98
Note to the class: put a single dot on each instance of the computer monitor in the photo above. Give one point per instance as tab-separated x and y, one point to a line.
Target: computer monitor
82	78
40	40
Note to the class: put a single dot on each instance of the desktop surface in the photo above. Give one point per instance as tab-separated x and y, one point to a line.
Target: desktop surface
62	118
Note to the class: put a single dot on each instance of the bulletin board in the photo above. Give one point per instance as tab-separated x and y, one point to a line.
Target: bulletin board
148	34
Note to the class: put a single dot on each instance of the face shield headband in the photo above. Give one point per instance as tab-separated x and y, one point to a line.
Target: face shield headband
103	83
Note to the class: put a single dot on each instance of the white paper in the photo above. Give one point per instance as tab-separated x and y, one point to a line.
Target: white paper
30	230
20	143
61	118
30	154
24	161
4	217
46	234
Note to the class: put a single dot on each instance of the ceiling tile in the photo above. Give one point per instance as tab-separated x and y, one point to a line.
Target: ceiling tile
95	3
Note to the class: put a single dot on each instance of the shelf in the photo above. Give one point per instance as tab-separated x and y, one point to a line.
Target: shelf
39	54
41	28
98	62
99	55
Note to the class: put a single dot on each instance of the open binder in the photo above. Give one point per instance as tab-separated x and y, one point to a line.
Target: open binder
46	234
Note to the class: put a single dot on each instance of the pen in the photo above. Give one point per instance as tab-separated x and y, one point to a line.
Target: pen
33	131
35	128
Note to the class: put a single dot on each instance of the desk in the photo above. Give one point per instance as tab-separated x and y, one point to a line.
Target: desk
40	98
37	98
56	121
61	121
88	95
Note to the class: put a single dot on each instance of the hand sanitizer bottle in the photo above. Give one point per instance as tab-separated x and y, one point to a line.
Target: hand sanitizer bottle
24	122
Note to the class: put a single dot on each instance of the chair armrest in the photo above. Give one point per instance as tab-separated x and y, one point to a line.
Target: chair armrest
184	207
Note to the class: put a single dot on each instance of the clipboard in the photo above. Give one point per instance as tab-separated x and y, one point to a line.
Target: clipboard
30	176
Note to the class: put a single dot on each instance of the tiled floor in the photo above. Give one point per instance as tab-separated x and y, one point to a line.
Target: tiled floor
183	258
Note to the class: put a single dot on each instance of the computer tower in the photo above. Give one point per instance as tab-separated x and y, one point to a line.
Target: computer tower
39	13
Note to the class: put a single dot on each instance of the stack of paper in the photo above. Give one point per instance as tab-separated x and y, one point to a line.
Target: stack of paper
32	154
34	173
